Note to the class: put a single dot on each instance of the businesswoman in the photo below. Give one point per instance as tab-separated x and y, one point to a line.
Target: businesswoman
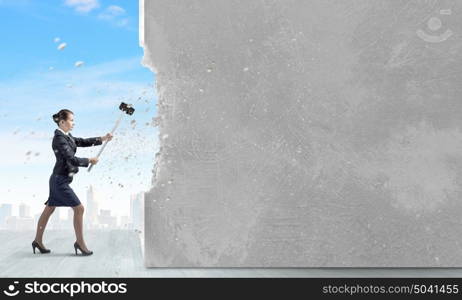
67	165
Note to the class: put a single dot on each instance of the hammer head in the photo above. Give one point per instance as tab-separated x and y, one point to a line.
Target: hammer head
127	108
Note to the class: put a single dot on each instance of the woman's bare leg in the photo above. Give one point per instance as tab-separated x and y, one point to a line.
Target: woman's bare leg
78	225
42	223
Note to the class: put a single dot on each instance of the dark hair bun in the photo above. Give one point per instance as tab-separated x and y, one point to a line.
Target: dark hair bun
61	115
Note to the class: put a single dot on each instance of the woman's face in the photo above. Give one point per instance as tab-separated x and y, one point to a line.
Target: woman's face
68	124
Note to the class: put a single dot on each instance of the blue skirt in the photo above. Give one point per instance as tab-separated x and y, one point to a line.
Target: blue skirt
61	194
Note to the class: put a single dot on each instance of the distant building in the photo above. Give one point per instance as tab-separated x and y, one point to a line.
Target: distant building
24	210
5	212
137	211
70	214
68	221
11	222
18	223
106	220
92	208
54	221
37	218
124	222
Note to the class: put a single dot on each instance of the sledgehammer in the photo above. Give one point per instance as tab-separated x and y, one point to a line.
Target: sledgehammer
126	109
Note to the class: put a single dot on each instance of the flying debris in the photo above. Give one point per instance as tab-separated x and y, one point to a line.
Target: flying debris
155	121
79	63
57	39
62	46
125	109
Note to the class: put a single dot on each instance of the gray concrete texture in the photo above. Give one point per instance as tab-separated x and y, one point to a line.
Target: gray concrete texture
305	133
117	253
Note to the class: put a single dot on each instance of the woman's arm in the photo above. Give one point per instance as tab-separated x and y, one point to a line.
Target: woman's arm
94	141
65	150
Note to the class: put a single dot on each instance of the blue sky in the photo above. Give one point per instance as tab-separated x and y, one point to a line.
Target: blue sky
29	28
37	79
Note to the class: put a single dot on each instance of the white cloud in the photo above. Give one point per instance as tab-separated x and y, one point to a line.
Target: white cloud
95	88
111	12
62	46
114	14
115	10
83	6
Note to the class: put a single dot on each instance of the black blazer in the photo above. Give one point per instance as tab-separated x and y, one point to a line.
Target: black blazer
64	147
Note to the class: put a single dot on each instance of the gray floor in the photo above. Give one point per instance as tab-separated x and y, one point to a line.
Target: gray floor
118	254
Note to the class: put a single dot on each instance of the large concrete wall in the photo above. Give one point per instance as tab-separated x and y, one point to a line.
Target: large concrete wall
305	133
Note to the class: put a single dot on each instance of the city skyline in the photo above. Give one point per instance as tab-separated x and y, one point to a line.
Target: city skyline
94	218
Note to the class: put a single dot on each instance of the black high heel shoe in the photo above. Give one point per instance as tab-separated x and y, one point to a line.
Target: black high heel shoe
42	250
85	253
